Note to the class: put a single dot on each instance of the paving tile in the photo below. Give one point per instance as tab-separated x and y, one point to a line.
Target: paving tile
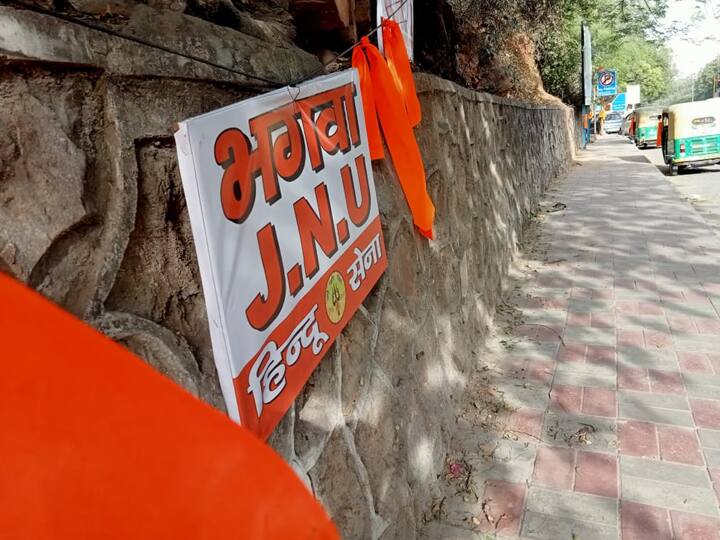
709	438
600	354
707	326
633	378
682	325
715	477
540	371
645	399
525	425
655	414
648	358
546	350
503	504
674	496
702	391
630	338
579	431
693	527
596	474
650	308
700	343
519	393
544	527
666	382
554	467
596	336
644	522
572	352
565	398
657	339
512	461
706	412
599	402
703	379
592	375
674	474
694	362
638	439
679	445
573	505
669	485
712	457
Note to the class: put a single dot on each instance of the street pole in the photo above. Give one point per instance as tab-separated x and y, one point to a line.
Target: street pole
693	88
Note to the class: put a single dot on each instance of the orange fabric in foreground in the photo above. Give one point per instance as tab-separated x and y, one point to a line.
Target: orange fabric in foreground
378	84
97	444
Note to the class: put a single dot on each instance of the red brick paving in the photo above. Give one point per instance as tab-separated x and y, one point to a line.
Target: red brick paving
630	338
694	527
638	439
596	473
526	424
680	445
599	402
554	467
631	307
694	362
666	382
633	378
572	352
643	522
706	413
503	507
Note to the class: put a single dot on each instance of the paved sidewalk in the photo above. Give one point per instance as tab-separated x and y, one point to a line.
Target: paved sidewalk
614	429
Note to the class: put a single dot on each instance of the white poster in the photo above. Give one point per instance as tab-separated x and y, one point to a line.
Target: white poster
403	15
286	226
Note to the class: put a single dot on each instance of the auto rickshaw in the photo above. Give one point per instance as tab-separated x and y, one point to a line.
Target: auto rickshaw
646	126
691	134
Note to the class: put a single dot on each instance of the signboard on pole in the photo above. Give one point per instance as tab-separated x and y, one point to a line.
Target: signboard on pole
403	15
607	82
618	103
285	220
587	70
632	94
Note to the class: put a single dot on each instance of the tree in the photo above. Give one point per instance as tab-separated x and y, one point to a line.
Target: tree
627	36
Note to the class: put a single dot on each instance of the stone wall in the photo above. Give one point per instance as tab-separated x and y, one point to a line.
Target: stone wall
92	214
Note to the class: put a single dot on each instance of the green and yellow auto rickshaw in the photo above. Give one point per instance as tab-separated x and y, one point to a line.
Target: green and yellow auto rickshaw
691	134
646	126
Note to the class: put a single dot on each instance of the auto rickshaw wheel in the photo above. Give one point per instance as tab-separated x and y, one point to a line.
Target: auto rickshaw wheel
673	170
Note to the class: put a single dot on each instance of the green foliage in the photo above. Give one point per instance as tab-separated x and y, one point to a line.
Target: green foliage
626	35
704	86
639	61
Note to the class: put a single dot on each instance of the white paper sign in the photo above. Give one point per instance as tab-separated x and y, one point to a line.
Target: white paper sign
404	18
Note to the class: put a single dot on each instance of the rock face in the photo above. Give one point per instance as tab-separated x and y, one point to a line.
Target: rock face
92	214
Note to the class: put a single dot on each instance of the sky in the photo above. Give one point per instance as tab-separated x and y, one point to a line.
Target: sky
701	43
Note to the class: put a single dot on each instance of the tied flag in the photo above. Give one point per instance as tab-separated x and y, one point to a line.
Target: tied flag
384	85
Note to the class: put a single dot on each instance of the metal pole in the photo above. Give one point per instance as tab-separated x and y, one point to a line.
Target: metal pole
693	88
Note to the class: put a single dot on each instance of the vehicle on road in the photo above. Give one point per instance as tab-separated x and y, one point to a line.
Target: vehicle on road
691	134
626	127
646	126
613	122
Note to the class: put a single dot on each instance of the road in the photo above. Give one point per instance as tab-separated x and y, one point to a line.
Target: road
701	187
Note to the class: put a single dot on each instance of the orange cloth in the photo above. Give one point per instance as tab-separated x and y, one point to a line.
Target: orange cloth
399	64
378	85
658	139
97	444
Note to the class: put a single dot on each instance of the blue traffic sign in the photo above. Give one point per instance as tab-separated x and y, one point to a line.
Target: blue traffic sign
618	103
607	82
